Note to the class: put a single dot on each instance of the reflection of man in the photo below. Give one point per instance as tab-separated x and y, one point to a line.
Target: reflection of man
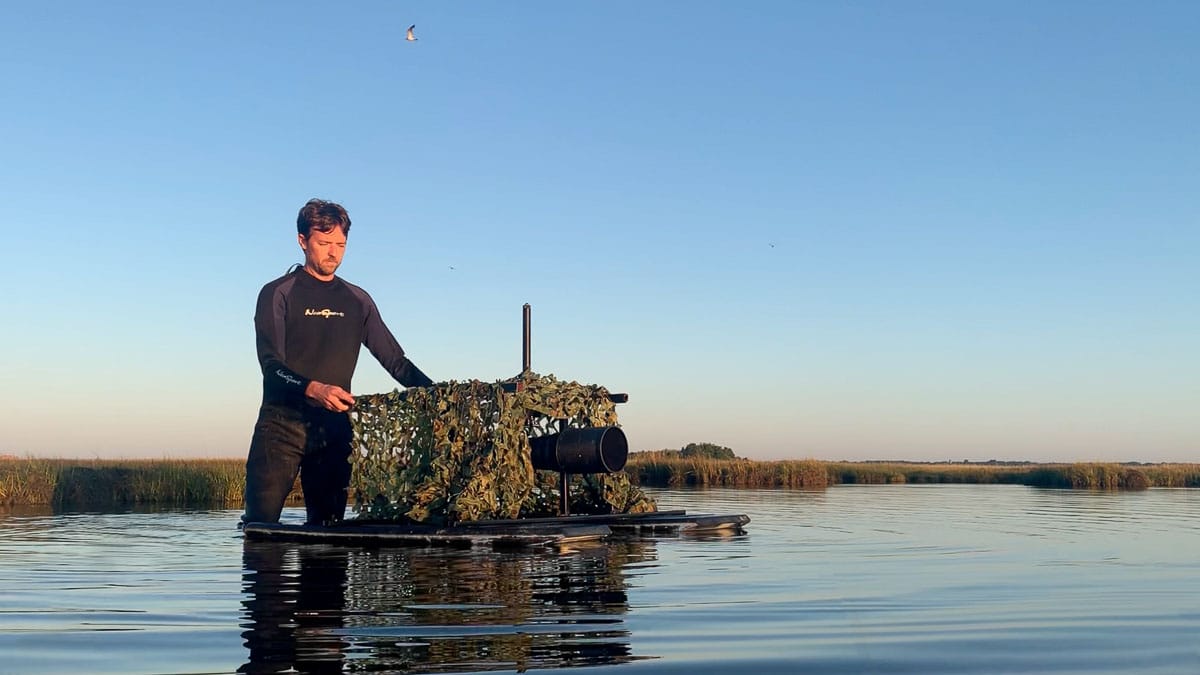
309	326
291	606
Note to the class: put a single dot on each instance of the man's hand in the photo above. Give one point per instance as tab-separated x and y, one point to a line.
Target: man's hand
328	396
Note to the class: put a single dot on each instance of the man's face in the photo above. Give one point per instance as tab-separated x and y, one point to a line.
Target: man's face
323	251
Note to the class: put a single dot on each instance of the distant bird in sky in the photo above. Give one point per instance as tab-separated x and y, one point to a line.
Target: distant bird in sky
409	36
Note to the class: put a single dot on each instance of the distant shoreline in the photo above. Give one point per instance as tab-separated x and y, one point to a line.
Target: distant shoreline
668	469
78	483
635	454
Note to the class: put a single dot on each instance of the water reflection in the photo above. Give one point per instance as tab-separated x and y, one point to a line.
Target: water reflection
295	597
323	608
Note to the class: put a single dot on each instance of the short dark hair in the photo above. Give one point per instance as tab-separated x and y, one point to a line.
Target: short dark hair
322	216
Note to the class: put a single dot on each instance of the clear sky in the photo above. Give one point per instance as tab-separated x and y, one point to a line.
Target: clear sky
837	230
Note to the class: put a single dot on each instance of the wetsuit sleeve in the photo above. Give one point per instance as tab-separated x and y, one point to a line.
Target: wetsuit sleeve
280	382
383	346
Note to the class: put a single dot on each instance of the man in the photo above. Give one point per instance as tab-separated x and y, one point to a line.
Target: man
309	324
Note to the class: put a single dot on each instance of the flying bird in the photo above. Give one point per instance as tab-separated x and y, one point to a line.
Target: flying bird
409	36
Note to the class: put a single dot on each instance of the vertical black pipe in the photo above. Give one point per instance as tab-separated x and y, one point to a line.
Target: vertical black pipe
564	483
525	338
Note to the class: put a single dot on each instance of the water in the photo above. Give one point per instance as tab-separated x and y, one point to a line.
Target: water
855	579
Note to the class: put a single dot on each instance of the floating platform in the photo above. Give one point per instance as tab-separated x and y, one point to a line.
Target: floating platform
656	522
555	532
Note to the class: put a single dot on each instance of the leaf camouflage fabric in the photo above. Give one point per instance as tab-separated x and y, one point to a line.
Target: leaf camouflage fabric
459	451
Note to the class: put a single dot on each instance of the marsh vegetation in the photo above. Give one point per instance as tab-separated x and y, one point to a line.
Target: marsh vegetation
670	468
72	483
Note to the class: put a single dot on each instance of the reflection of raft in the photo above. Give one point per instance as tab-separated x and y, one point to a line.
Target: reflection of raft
532	532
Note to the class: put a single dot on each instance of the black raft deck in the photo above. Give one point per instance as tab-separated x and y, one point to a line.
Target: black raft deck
523	533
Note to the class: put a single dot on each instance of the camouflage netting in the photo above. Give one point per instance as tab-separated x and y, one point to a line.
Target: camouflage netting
459	451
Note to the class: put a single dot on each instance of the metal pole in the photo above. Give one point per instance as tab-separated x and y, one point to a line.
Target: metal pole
525	338
564	498
564	483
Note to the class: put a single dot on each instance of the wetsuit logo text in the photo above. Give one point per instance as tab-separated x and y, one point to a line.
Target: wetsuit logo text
287	378
326	313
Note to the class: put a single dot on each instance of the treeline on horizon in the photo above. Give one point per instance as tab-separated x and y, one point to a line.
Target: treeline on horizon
68	483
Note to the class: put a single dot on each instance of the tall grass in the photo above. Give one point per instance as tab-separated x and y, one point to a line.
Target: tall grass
105	483
218	483
669	470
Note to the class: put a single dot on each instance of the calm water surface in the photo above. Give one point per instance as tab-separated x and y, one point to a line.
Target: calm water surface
870	579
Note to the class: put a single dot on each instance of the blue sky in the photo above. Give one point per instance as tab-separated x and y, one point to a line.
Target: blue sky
871	230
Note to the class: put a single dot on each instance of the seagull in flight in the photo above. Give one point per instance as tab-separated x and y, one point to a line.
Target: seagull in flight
409	35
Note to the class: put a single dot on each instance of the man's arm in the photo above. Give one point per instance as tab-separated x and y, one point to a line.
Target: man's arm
384	347
280	382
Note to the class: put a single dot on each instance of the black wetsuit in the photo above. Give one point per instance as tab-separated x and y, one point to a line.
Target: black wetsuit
306	330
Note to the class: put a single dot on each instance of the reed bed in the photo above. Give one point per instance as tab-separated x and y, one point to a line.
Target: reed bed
218	483
69	483
664	469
